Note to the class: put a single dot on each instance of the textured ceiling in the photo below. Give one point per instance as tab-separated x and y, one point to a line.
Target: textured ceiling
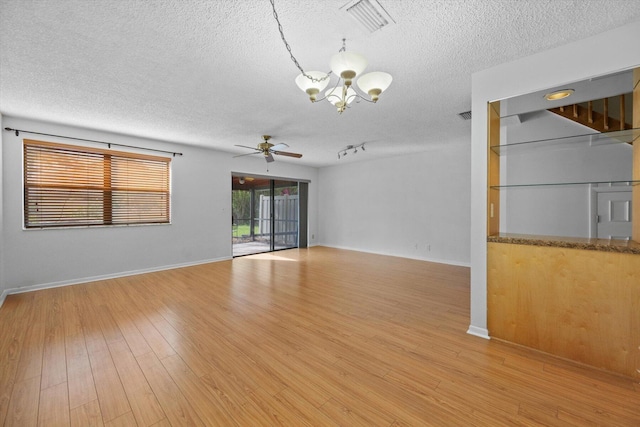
215	73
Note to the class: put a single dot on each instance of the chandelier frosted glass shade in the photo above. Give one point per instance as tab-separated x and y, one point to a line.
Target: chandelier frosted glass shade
312	87
347	65
374	83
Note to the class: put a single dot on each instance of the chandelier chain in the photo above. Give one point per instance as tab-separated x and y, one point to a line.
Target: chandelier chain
286	44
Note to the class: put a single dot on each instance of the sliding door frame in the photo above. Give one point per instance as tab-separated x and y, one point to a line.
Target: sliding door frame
303	207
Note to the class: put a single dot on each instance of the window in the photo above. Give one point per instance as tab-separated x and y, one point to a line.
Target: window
69	186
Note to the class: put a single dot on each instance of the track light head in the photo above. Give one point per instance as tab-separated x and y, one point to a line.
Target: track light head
350	148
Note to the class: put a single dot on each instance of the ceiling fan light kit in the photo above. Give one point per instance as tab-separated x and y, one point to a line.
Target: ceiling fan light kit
267	149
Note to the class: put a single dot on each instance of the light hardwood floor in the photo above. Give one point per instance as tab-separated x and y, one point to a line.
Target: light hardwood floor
301	337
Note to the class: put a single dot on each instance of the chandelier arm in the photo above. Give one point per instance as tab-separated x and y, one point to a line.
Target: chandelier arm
363	98
320	99
357	95
286	44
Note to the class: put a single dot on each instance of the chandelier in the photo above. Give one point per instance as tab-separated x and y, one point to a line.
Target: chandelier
348	66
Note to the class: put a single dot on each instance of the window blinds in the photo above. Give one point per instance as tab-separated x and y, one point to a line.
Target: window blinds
67	185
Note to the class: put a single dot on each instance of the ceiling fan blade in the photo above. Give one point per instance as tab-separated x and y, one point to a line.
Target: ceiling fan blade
286	153
248	154
279	147
250	148
269	158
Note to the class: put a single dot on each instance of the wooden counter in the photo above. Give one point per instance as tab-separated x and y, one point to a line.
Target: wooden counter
578	300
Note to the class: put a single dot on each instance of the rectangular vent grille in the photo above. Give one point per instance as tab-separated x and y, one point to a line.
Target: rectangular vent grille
465	116
370	14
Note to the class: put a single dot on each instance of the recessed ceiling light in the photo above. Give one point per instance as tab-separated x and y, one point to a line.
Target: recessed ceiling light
558	94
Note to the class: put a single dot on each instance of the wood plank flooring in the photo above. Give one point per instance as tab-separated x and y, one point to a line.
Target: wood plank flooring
315	337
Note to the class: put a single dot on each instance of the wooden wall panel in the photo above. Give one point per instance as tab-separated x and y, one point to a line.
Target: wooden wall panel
493	138
577	304
635	232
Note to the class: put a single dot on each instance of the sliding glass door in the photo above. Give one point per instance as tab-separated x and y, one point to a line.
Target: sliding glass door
285	208
266	215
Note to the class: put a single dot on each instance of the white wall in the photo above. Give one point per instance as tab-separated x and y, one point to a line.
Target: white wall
2	282
562	210
414	206
562	65
201	216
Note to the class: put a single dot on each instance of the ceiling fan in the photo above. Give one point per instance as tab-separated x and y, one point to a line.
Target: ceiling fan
267	149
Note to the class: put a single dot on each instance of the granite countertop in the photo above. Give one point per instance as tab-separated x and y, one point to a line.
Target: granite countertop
605	245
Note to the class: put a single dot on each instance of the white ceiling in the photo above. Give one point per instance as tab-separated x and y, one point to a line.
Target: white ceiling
215	73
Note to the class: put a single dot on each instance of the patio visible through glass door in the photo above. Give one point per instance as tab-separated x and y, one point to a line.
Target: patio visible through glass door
265	215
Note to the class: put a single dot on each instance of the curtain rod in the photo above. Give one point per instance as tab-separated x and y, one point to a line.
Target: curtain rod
17	131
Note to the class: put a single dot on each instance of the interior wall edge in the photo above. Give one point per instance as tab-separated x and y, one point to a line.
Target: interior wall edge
478	332
2	285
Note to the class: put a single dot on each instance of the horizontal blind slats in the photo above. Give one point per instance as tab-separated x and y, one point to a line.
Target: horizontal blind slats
74	186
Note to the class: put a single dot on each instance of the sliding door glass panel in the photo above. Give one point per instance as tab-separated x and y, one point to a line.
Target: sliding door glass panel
303	212
248	233
285	214
262	219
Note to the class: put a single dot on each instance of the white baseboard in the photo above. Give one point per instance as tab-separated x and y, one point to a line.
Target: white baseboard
438	261
478	332
3	296
79	281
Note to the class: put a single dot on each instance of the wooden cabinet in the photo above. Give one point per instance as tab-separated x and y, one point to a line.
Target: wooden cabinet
575	298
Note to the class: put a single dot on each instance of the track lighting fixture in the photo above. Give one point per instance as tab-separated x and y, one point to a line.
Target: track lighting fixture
352	148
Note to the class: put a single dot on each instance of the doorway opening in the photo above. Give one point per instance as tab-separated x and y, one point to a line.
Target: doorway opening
266	214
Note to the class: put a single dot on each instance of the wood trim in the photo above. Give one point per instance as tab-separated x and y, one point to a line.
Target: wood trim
635	230
622	113
493	167
590	117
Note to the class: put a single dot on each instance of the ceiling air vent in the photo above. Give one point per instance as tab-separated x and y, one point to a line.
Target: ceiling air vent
465	116
368	13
